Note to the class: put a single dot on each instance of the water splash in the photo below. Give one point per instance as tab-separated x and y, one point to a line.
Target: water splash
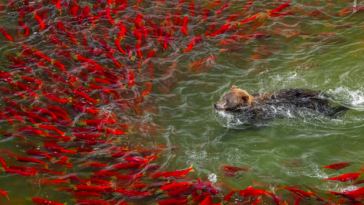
351	97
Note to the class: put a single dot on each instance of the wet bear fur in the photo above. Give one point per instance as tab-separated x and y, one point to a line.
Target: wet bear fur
275	104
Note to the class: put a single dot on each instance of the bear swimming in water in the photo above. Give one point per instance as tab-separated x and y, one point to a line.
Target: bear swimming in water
269	105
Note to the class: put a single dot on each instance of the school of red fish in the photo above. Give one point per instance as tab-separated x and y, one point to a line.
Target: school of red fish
75	72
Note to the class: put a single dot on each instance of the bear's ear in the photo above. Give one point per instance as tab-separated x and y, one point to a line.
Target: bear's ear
245	98
233	88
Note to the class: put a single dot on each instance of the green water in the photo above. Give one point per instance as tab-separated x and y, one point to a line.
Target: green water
289	151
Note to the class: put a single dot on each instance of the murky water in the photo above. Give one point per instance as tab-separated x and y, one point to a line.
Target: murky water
318	51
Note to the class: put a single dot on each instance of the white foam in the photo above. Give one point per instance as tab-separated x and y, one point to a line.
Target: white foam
312	171
228	120
349	188
352	97
212	178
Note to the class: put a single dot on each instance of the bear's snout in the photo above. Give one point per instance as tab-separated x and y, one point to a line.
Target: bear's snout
215	105
219	105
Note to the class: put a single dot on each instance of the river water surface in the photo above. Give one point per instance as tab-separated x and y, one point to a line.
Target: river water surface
288	151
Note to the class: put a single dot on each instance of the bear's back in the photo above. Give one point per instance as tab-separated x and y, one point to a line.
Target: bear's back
278	103
297	97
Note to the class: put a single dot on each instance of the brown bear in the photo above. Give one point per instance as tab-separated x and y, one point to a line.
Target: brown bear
278	103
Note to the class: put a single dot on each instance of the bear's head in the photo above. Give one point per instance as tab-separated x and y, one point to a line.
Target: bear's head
234	99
